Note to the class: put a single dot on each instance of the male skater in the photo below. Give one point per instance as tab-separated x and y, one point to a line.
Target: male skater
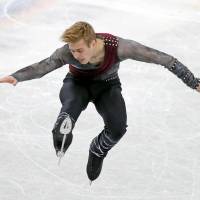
94	60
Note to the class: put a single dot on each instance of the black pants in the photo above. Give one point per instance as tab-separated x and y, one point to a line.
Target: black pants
75	95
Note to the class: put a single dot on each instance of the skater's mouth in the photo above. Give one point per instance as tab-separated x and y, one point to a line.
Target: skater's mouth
81	60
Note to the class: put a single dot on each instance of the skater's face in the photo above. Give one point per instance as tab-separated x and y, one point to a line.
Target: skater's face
81	51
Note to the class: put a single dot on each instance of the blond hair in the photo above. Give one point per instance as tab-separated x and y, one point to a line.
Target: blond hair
79	30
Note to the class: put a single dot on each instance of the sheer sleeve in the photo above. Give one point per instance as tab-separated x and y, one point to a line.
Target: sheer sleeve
130	49
59	58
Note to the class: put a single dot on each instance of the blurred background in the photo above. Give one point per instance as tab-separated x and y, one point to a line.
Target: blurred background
158	158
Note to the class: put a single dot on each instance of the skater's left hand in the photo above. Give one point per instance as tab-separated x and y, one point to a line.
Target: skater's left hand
198	88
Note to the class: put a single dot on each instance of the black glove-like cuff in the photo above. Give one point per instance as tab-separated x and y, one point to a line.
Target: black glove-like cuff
184	74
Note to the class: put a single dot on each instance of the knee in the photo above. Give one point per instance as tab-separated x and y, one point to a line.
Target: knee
73	101
118	130
64	124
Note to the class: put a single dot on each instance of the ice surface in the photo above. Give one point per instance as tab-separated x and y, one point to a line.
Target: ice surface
158	158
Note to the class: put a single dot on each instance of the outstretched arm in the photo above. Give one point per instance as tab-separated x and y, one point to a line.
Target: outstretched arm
129	49
59	58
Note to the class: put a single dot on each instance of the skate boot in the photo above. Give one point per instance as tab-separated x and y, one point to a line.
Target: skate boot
62	133
94	166
58	140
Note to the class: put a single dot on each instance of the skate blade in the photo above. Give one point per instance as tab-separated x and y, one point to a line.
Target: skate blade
60	155
90	182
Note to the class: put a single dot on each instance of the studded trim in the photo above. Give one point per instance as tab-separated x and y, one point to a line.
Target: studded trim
184	74
111	41
112	78
111	44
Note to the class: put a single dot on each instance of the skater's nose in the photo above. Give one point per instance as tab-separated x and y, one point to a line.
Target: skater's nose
77	55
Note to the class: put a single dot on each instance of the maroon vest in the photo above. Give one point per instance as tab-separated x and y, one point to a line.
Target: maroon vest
111	44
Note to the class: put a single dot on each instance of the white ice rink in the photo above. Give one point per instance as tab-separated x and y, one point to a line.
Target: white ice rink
157	159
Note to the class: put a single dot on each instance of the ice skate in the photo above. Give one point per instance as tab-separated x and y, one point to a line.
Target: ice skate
61	153
94	166
62	134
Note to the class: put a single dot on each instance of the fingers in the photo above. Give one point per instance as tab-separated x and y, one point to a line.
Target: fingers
9	79
15	83
198	88
12	80
2	80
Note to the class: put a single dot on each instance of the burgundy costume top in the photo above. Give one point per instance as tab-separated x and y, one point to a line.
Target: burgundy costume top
110	58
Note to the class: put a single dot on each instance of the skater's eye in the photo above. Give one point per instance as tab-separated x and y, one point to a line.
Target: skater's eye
78	50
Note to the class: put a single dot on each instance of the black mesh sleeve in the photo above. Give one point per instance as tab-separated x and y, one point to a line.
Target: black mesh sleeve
184	74
39	69
129	49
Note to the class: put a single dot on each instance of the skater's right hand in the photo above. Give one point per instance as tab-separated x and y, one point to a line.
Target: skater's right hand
9	79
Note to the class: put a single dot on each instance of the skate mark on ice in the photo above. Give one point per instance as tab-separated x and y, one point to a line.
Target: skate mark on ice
22	151
166	155
25	89
195	179
18	186
37	124
75	188
125	7
5	12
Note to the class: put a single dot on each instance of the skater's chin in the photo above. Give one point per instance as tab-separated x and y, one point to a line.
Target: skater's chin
83	61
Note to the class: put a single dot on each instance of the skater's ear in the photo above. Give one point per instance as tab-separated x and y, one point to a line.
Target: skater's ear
93	43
